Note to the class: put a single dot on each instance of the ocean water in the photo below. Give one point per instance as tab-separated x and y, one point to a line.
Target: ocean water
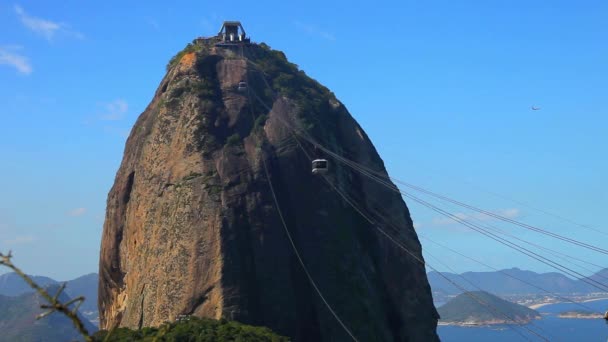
550	326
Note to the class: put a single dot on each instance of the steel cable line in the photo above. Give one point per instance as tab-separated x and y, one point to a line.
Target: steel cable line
560	255
495	310
369	174
379	215
531	323
386	221
421	189
293	245
356	165
548	213
580	304
426	264
495	237
557	254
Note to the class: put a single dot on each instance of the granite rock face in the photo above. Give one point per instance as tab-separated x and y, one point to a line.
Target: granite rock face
191	226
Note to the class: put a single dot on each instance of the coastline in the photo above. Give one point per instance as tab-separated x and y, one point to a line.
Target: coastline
540	305
477	324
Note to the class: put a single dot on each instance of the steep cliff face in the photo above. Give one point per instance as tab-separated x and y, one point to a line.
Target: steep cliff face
191	226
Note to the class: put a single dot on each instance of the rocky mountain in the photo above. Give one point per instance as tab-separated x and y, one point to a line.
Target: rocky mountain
12	285
192	228
480	307
18	320
502	284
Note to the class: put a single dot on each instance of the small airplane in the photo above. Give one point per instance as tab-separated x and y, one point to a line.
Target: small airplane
535	108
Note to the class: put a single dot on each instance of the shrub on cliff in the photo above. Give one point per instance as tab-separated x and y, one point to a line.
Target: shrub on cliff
196	330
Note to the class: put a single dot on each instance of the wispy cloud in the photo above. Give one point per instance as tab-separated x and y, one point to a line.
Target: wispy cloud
510	213
9	56
44	27
19	240
77	212
314	30
442	221
115	110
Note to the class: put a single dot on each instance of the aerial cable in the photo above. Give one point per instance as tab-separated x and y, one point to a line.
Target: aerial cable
365	171
360	167
557	254
548	213
499	239
386	221
560	255
415	257
349	200
295	249
397	230
497	310
509	275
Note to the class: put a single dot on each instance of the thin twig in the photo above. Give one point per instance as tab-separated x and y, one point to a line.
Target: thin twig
54	303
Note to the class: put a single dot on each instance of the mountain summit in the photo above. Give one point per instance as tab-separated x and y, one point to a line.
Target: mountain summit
192	228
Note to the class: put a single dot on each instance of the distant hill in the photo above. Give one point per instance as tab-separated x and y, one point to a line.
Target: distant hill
18	320
479	307
12	285
86	286
501	284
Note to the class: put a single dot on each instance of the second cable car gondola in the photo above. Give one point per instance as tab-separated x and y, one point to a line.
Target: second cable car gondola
319	166
242	86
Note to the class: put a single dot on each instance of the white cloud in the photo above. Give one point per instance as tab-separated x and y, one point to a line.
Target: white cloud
115	110
509	213
441	221
46	28
77	212
313	30
20	240
9	56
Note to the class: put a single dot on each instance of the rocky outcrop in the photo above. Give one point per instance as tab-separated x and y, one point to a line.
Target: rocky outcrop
191	226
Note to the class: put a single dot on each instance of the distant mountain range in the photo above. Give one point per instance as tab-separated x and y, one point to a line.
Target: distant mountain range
501	284
12	285
480	307
18	319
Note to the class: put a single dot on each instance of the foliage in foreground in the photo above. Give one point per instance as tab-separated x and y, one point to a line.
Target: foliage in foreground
194	329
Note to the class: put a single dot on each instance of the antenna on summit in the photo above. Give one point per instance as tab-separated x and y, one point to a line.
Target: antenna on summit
232	33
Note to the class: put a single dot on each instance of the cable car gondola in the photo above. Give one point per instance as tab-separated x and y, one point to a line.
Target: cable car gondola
242	86
319	166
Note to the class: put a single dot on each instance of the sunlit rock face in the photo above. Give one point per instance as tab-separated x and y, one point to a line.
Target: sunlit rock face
191	226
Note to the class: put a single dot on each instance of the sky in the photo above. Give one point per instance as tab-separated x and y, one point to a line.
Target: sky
443	88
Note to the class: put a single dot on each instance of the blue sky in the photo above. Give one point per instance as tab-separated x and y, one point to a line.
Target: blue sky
443	88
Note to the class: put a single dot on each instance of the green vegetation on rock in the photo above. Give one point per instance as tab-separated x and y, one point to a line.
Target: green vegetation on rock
195	330
233	140
189	48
